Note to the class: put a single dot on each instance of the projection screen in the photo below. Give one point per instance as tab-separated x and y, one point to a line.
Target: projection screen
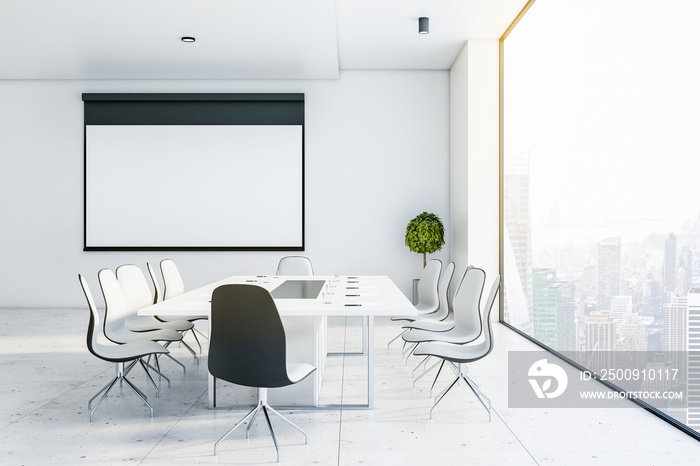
200	172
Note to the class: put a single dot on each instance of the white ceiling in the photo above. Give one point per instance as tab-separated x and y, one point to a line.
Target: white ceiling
237	39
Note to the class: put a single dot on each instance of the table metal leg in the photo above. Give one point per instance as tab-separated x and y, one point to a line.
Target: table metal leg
211	381
367	348
363	351
369	331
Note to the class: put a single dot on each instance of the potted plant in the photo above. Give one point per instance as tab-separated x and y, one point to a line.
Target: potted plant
425	234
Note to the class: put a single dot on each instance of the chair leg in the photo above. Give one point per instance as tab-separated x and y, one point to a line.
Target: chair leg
407	354
121	373
250	424
251	413
153	382
272	432
306	436
157	371
442	395
396	338
267	410
436	377
194	334
157	362
138	391
483	399
416	379
425	359
184	369
479	394
140	394
196	359
129	367
203	335
104	389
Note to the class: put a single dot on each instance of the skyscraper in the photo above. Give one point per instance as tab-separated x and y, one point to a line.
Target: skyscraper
675	336
684	276
554	306
619	306
669	277
693	367
608	271
600	340
676	325
632	335
518	241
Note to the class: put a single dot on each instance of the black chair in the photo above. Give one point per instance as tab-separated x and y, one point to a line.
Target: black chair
247	347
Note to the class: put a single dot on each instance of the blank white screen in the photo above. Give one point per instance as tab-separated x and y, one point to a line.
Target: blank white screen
194	186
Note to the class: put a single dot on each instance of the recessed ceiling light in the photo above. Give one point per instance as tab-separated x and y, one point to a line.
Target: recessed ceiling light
423	27
187	39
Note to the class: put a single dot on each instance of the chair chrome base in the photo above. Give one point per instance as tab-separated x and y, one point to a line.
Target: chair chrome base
483	399
266	409
121	376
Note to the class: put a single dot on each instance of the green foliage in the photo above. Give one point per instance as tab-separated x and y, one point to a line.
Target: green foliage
425	234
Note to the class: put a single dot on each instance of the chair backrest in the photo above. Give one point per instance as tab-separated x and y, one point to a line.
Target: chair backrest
247	342
134	286
458	279
116	308
467	304
157	295
488	335
443	288
294	265
172	280
428	298
94	324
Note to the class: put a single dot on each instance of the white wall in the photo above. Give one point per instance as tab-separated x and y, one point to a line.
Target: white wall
377	154
474	169
459	157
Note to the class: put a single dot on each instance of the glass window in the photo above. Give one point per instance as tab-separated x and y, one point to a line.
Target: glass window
601	218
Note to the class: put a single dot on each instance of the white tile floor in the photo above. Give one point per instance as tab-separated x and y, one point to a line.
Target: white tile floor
47	376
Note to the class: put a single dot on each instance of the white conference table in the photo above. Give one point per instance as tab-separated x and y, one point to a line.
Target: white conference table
365	296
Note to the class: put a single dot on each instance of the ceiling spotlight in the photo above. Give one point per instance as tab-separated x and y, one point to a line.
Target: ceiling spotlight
423	25
187	39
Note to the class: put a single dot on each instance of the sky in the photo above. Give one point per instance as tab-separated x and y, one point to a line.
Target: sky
604	95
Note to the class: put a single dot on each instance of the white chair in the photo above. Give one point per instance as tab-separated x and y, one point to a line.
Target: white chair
118	354
460	354
173	286
138	295
157	294
172	280
117	311
294	265
428	297
443	301
440	324
437	318
466	326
